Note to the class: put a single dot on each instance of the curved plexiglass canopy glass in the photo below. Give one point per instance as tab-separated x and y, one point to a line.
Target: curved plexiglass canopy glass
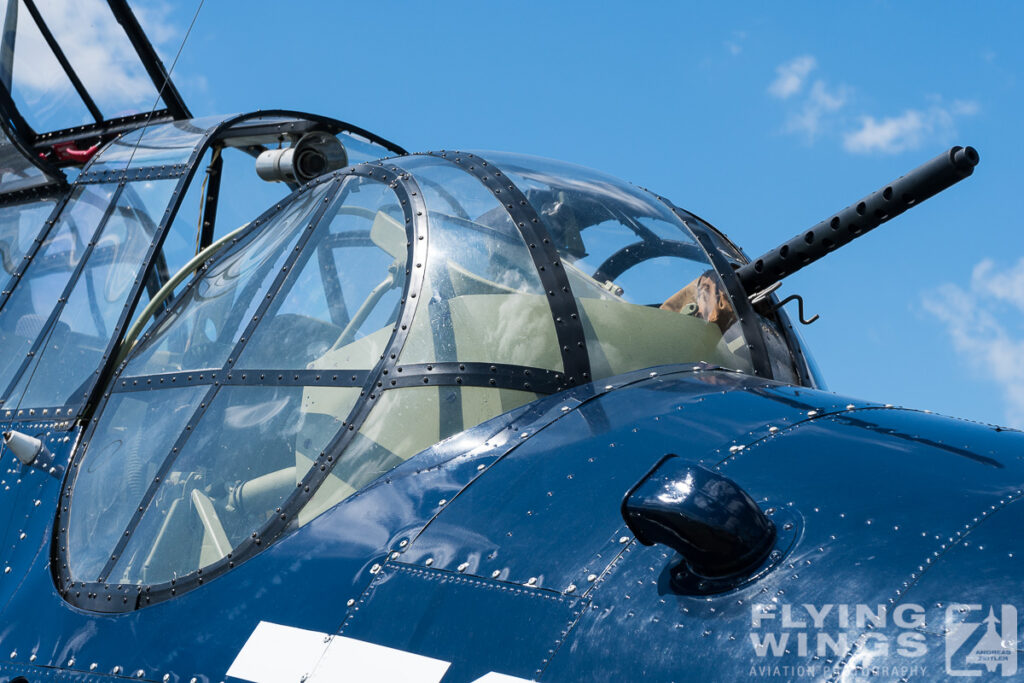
115	239
430	291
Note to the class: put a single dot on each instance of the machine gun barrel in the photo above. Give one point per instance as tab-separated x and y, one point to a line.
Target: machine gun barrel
909	190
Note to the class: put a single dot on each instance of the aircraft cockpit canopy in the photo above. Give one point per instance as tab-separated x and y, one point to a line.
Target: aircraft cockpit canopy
375	312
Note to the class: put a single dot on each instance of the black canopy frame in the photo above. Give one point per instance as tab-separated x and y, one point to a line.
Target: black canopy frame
96	593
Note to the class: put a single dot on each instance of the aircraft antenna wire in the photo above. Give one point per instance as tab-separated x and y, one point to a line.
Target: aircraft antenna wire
167	80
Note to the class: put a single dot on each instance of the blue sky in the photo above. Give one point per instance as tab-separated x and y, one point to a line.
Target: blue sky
761	118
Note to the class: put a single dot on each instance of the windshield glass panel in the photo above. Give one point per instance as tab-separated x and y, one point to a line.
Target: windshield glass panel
62	371
251	448
17	172
115	470
427	415
24	315
20	224
230	455
339	305
646	290
207	320
361	150
482	299
155	145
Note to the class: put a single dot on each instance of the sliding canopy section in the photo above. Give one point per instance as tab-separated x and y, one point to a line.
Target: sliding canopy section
80	267
73	75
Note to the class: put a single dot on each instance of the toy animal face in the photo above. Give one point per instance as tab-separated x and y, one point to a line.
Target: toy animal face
713	303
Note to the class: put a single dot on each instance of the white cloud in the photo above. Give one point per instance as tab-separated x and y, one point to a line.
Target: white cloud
820	102
735	44
891	134
985	330
1006	286
155	18
98	50
811	112
964	108
791	76
909	130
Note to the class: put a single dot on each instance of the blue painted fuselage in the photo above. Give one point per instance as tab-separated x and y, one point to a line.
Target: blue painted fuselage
503	549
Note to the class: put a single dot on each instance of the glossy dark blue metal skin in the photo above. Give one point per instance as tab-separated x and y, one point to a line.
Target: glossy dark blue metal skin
504	549
28	498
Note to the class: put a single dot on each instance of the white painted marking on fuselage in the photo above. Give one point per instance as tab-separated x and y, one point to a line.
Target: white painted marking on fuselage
278	654
284	654
347	659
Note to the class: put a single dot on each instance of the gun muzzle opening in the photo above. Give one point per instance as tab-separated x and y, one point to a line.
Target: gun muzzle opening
965	158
